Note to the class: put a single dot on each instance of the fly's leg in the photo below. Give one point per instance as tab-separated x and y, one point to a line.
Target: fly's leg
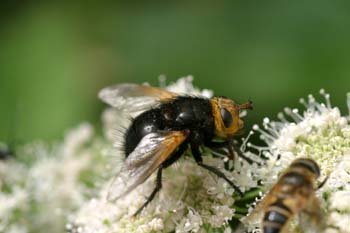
166	164
215	145
232	148
218	147
182	148
154	192
198	157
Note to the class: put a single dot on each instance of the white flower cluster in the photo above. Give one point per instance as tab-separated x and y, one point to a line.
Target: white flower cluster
191	199
56	187
12	196
320	133
43	185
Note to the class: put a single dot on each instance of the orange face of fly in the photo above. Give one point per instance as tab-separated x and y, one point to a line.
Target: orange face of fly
226	116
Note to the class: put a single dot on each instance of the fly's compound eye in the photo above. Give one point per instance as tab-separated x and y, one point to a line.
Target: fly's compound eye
226	117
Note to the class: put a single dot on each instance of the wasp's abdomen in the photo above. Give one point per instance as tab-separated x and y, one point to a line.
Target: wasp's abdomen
276	217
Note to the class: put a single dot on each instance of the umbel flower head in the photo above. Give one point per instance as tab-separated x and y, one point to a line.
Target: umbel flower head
61	186
43	184
191	199
319	133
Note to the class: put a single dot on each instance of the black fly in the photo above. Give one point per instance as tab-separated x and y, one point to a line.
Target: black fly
164	126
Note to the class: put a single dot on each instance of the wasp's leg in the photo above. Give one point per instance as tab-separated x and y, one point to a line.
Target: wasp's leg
154	192
198	157
323	182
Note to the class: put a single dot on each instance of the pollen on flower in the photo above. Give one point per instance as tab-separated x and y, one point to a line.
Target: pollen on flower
255	127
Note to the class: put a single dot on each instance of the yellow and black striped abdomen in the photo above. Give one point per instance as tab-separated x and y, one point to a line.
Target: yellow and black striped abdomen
276	217
290	195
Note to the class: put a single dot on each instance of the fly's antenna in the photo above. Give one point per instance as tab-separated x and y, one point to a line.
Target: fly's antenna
248	105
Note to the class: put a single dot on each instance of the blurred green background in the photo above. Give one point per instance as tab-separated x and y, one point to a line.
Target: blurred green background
54	57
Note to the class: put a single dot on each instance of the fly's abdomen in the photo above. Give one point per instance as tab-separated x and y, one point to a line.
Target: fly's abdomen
146	123
276	217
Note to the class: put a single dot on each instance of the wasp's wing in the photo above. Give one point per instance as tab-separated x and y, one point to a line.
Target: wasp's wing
149	154
255	216
133	97
312	218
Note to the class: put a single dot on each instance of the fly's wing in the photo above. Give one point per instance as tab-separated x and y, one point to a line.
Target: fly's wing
149	154
133	97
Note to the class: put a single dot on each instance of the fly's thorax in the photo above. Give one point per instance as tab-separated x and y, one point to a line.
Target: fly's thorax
226	117
188	112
